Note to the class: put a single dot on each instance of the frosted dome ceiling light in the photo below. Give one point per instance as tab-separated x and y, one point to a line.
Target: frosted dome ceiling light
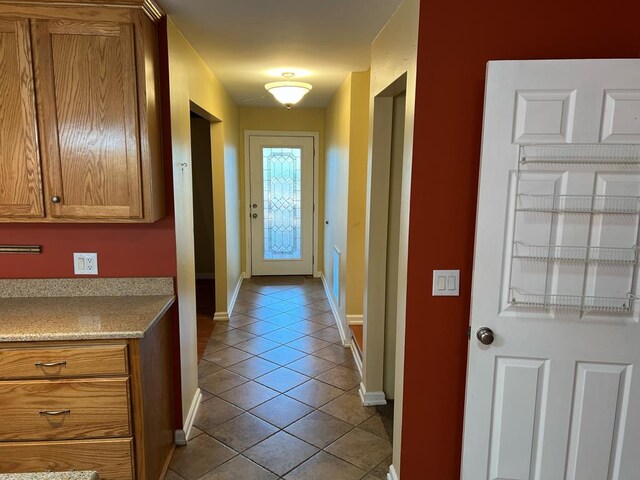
288	93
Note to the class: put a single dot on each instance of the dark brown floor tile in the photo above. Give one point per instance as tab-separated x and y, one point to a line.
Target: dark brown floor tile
281	453
284	335
248	395
363	449
205	368
201	455
319	429
253	367
349	408
281	411
324	466
282	355
257	345
382	469
215	412
334	353
239	468
315	393
244	431
228	356
306	327
379	426
311	365
282	379
341	377
308	344
220	381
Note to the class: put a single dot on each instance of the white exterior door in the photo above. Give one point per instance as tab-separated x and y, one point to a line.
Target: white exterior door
281	205
557	394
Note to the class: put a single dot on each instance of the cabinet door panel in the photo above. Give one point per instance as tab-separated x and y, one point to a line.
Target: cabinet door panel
20	177
87	99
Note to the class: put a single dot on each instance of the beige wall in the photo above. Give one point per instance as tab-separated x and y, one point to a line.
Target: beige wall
191	80
393	56
279	119
347	129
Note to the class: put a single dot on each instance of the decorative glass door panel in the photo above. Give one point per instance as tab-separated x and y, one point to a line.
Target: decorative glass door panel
281	208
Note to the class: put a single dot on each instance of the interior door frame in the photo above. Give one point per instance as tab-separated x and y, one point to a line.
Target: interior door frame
247	191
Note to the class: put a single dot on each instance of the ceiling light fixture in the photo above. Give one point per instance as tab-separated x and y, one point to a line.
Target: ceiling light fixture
288	93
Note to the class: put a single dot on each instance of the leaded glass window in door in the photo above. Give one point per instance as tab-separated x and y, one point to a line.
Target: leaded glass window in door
282	184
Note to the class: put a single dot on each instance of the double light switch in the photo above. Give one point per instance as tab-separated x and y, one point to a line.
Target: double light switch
446	283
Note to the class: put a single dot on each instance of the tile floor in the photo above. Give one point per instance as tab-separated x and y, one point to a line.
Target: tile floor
280	395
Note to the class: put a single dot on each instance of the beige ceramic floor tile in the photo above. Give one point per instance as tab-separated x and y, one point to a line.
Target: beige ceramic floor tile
239	468
315	393
281	411
232	337
228	356
215	412
253	367
244	431
201	455
281	453
257	345
248	395
324	466
311	365
319	429
308	344
282	379
341	377
360	448
282	355
349	408
334	353
283	335
221	381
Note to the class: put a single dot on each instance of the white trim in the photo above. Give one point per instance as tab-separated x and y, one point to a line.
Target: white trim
181	435
356	355
345	336
247	191
234	297
355	319
392	475
206	276
371	398
221	317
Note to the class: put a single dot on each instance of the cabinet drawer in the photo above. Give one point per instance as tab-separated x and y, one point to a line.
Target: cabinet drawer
112	459
63	361
94	408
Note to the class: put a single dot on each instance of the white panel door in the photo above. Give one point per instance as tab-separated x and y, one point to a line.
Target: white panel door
557	394
281	208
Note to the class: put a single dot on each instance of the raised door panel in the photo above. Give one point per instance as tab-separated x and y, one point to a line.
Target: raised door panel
87	99
20	177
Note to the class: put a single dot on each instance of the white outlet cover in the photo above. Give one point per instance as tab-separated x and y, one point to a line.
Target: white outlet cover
446	283
85	263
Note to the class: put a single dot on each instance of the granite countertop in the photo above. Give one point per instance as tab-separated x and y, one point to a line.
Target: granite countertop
50	476
80	309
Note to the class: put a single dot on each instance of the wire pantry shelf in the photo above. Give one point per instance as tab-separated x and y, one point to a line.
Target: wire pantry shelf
576	254
581	154
572	302
597	204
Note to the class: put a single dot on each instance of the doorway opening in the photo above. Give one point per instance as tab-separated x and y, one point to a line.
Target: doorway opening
203	227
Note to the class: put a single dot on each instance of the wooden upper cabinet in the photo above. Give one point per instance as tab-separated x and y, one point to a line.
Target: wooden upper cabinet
20	175
87	101
98	122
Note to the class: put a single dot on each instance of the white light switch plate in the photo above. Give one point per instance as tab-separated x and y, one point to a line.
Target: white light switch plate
85	263
446	283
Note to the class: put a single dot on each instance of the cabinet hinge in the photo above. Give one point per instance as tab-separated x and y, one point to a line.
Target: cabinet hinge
469	332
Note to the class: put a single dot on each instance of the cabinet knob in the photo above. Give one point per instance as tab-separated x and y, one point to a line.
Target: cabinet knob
55	199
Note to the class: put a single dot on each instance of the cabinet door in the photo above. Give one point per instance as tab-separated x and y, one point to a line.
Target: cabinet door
87	101
20	177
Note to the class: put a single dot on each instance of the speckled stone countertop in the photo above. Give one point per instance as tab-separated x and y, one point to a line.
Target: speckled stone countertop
106	312
50	476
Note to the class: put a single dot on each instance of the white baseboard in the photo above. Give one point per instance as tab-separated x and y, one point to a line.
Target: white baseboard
392	475
221	317
232	303
205	276
356	355
181	435
371	398
344	335
355	319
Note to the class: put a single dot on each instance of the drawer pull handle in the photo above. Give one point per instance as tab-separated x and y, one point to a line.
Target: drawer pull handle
51	364
66	411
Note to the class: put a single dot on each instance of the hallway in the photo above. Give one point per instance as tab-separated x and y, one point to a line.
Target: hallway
280	395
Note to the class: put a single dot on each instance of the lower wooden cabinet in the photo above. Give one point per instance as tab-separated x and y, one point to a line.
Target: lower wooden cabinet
88	405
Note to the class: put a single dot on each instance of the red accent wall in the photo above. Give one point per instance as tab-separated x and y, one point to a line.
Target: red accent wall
456	40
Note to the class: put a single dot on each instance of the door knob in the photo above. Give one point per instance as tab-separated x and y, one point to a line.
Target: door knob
255	215
55	199
485	335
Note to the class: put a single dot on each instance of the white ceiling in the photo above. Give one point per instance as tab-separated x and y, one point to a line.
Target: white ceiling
248	43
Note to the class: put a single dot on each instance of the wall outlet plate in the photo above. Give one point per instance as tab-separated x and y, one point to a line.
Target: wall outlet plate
446	283
85	263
